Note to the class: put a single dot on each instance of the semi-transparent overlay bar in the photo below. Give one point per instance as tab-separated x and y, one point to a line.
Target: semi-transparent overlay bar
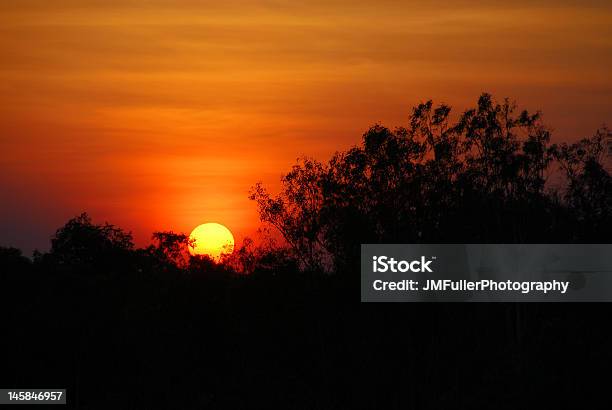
486	273
32	396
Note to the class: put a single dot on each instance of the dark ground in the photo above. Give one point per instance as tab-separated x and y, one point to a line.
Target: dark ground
294	342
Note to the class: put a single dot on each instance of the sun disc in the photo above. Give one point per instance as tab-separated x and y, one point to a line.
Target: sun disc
213	240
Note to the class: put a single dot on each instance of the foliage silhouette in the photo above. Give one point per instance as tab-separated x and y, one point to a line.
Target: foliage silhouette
12	260
479	179
82	245
171	248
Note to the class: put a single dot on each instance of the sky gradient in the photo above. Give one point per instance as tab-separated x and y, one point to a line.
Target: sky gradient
162	114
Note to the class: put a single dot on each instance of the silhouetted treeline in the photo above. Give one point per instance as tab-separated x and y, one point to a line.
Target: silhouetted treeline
486	177
489	176
269	327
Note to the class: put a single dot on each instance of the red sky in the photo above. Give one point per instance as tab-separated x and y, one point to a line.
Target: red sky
162	114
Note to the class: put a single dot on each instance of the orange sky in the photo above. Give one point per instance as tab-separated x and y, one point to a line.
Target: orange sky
161	114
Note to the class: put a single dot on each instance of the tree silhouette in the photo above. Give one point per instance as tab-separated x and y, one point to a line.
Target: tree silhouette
172	248
296	212
481	178
83	244
589	185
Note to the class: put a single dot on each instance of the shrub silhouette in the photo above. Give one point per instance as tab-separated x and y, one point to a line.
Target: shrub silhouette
12	260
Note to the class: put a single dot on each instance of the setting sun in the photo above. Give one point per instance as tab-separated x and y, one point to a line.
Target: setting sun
212	239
